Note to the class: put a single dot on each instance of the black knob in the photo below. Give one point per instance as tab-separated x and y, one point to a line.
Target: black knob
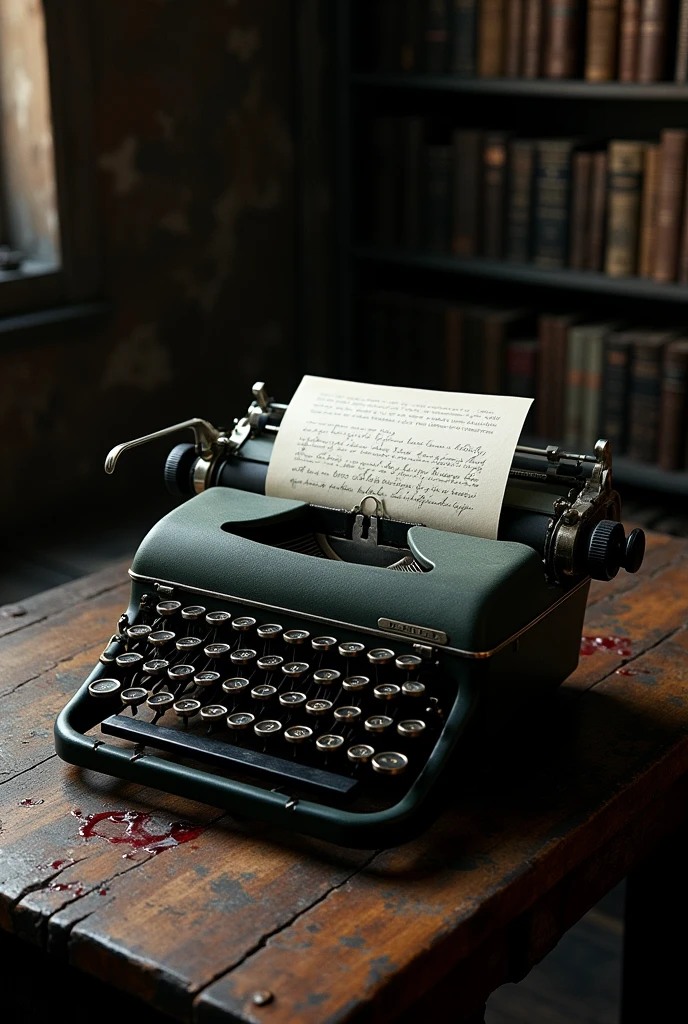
178	470
606	550
635	551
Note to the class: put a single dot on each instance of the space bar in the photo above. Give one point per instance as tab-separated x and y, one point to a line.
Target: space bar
204	748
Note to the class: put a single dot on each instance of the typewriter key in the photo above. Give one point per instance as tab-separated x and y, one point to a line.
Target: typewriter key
104	687
296	636
380	656
156	667
235	686
295	669
351	649
408	662
326	676
133	696
241	720
360	753
138	632
269	663
130	660
411	728
187	643
243	656
347	714
167	608
160	702
263	692
413	688
243	623
180	673
206	678
318	707
218	619
186	708
216	650
329	742
161	637
298	733
323	643
354	684
193	612
269	631
292	699
267	727
212	712
389	763
378	723
386	691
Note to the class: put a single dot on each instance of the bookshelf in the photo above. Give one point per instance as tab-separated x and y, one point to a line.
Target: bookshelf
536	108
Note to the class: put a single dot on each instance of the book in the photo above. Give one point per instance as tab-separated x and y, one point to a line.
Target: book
597	211
644	396
513	38
670	189
553	331
533	32
551	202
437	196
409	57
682	270
562	47
681	68
521	374
601	40
581	175
472	351
494	194
436	35
618	351
467	160
593	368
386	182
412	157
463	38
497	326
519	203
652	40
673	417
629	32
648	212
576	358
623	217
490	60
453	351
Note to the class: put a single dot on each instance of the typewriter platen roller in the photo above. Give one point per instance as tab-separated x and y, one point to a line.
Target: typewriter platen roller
320	668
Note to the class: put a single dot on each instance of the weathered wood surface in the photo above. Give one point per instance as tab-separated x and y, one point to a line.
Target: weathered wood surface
538	828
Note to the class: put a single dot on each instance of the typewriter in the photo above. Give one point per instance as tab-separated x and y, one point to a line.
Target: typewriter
322	669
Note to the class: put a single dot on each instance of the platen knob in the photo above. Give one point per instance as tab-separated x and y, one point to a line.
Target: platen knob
178	469
606	550
635	551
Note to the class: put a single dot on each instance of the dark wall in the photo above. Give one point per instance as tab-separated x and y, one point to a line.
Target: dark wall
193	116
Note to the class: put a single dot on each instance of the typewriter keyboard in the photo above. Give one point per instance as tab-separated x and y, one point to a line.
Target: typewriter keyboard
285	706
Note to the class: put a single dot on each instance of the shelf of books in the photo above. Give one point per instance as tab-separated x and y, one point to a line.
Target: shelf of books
532	88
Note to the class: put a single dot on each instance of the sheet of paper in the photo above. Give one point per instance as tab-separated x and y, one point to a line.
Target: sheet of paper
434	457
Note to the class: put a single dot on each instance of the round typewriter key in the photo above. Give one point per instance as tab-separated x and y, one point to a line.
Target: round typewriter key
243	623
378	723
129	660
235	686
269	631
193	612
293	699
354	684
216	650
323	643
269	663
241	720
160	701
213	712
218	619
390	763
138	632
186	708
407	662
243	656
360	753
351	649
104	687
347	714
156	666
318	707
413	688
161	637
326	676
329	742
167	608
387	691
267	727
298	733
263	692
295	669
206	678
296	636
133	696
380	656
180	673
411	728
187	643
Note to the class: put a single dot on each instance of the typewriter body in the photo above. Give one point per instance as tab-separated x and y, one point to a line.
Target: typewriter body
320	668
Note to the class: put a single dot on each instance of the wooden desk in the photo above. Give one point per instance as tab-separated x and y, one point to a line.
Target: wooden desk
576	797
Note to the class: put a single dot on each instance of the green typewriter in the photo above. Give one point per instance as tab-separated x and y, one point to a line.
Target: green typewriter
321	668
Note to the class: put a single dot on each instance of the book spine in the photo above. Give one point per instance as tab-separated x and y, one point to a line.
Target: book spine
472	362
652	40
670	188
437	197
592	387
520	200
552	186
681	69
513	39
464	28
543	411
629	32
533	29
580	209
494	341
521	375
573	404
671	448
436	35
644	403
648	212
597	211
466	194
625	186
562	38
490	38
494	195
453	329
412	142
683	251
601	40
559	335
615	394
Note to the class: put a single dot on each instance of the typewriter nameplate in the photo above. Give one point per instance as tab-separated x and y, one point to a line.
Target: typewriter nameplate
433	636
